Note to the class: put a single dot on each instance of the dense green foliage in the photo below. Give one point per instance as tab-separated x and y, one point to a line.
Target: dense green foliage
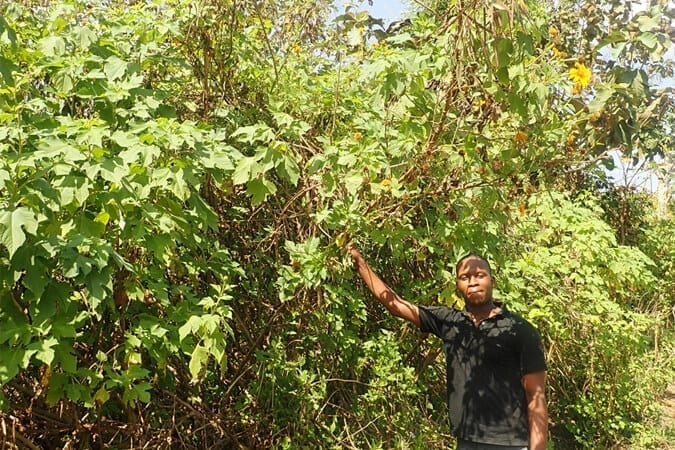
178	181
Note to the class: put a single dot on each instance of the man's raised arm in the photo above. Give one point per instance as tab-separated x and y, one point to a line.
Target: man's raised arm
390	299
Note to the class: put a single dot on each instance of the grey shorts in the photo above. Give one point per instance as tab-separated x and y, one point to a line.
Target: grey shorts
466	445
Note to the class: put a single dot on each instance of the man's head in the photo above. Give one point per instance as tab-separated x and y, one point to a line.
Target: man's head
474	280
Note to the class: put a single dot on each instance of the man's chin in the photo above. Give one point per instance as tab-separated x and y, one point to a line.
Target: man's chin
476	300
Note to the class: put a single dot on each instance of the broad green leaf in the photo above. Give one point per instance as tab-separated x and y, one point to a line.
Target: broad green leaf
613	38
55	388
75	392
11	360
11	332
125	139
204	211
6	30
178	184
63	82
52	46
648	39
64	356
36	279
198	360
247	168
191	326
647	23
4	178
6	68
353	183
114	68
85	36
504	52
259	189
43	349
289	169
103	218
374	69
101	396
219	158
616	50
12	226
254	133
142	391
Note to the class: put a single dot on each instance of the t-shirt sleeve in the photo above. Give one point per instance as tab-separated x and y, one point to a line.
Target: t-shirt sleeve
532	358
434	319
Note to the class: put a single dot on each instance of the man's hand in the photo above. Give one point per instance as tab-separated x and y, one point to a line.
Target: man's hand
356	256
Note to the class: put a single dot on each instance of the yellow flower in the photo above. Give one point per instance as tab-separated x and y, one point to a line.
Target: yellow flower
386	182
580	75
358	136
553	31
520	138
556	53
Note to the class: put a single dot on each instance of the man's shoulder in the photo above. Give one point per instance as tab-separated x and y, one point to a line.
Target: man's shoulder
440	311
516	318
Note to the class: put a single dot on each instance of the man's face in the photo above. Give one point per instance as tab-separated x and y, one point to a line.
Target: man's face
474	281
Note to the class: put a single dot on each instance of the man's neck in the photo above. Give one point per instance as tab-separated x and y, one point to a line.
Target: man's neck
481	312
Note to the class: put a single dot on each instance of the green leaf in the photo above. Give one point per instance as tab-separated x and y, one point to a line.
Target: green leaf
12	226
114	68
142	391
254	133
289	169
648	39
247	168
63	82
64	355
11	360
85	36
204	211
198	360
353	183
6	68
10	331
52	46
646	23
613	38
616	50
101	396
6	30
504	51
604	93
189	327
125	139
44	351
4	178
259	189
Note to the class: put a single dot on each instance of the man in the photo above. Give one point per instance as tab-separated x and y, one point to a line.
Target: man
495	363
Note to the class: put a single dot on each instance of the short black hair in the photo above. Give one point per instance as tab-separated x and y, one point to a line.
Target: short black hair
472	255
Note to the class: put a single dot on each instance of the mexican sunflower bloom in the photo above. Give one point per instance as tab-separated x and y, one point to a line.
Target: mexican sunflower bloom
580	75
520	138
